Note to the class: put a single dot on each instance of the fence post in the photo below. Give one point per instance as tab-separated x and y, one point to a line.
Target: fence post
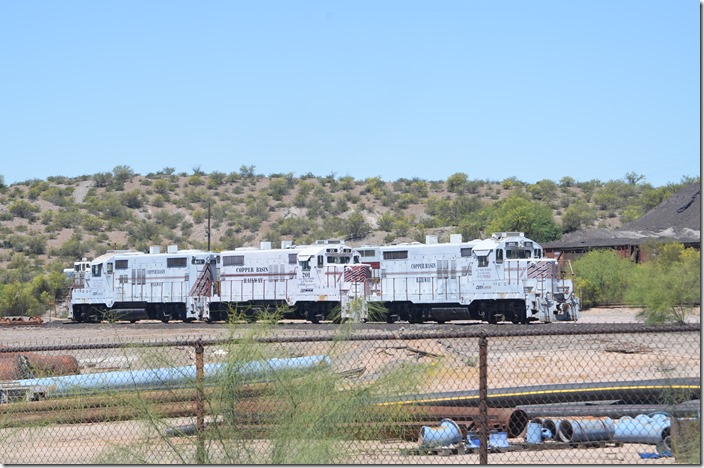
483	406
200	404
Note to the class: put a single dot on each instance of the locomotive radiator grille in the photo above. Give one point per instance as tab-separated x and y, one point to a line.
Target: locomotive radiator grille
544	269
357	274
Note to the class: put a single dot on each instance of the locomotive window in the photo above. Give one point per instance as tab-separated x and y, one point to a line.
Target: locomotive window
499	255
367	253
120	264
466	252
396	255
355	259
331	259
305	264
233	260
179	262
96	270
538	253
320	261
483	260
292	259
344	260
514	254
108	270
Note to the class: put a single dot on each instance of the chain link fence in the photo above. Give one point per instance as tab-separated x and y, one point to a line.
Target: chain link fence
502	395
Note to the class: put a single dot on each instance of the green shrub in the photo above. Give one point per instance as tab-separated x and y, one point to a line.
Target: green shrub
356	226
668	286
23	209
520	215
457	182
385	222
602	277
17	300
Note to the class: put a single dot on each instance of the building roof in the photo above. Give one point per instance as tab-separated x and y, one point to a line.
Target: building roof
678	218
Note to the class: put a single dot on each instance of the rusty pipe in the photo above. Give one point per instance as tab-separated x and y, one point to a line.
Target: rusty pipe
513	421
10	368
17	366
46	365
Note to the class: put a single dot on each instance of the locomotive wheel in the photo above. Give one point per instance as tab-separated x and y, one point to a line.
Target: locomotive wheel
415	316
491	318
520	318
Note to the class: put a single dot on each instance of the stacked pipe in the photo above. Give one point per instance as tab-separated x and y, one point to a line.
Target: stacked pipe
14	321
643	429
509	420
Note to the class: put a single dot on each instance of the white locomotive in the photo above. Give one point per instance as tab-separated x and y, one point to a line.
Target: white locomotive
128	285
311	280
504	277
195	285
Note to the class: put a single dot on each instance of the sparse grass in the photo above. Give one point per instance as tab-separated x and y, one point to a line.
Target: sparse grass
687	441
308	416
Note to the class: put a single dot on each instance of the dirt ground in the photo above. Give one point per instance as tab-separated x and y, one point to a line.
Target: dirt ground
514	361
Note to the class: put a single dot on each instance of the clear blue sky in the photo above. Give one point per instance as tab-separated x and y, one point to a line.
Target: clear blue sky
390	88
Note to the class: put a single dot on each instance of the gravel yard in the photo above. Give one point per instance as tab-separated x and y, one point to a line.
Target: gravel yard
513	361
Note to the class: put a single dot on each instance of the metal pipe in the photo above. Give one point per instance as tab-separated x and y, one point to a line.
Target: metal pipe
586	429
160	377
93	415
553	426
644	429
51	365
26	365
447	433
10	368
645	391
687	408
512	421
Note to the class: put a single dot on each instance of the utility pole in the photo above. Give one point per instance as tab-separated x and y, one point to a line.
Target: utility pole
208	228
